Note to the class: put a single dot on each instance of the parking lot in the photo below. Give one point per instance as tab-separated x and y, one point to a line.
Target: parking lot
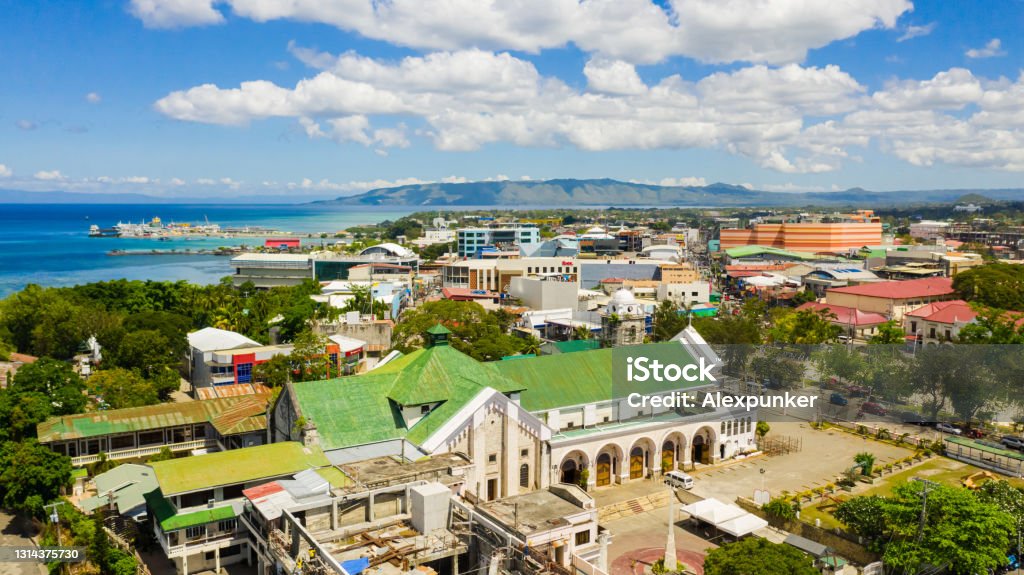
824	455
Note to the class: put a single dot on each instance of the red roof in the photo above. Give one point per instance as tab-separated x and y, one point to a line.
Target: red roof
262	490
924	287
945	312
846	315
758	267
22	358
466	293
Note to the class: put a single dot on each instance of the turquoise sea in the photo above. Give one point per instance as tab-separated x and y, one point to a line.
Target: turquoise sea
49	244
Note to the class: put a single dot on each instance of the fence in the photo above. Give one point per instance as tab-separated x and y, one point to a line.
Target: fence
843	543
81	460
127	547
781	445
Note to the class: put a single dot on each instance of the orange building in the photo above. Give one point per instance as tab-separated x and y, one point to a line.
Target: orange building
807	236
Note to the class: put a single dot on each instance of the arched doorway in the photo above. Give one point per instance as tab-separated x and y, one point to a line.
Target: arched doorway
699	449
721	449
636	462
604	469
668	456
570	472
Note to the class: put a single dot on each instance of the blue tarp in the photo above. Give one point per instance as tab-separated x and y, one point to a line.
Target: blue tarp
355	566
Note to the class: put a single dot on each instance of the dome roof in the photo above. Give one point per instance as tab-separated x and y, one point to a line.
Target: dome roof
623	296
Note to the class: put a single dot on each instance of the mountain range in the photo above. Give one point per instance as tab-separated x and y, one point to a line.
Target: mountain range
553	193
607	192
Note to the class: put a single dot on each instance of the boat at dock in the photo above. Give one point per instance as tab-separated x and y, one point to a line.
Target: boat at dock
224	251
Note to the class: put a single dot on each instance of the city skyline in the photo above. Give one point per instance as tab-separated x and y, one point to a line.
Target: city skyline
245	98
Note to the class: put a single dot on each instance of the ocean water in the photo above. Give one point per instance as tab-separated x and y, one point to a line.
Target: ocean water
49	244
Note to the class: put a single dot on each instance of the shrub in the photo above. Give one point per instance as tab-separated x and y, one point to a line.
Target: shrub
780	508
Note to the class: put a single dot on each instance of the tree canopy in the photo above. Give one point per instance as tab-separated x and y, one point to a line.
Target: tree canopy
963	532
475	331
668	321
756	556
31	475
119	387
996	285
807	327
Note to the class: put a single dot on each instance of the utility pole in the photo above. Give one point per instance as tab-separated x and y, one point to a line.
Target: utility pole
55	518
927	487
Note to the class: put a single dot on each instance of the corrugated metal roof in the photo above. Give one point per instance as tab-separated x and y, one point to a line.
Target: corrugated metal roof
132	419
236	466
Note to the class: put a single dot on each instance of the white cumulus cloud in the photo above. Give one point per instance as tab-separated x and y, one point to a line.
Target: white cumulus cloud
638	31
993	47
175	13
911	32
49	175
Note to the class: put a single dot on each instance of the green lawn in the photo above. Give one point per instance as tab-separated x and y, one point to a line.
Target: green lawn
938	469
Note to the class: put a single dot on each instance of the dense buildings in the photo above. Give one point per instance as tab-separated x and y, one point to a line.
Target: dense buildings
473	241
892	299
850	233
497	274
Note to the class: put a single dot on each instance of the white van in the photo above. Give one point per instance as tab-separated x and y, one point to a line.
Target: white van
678	480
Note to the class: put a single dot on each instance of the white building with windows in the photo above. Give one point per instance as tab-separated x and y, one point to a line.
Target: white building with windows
523	424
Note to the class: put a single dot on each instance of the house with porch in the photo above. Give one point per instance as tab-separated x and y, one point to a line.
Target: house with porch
139	432
194	511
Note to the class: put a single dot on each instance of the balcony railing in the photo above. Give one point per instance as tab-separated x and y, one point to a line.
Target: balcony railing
204	544
148	450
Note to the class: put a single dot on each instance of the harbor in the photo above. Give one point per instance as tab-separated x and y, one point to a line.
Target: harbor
158	230
223	251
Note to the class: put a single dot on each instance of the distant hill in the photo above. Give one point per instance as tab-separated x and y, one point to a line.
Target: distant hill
553	193
975	199
609	192
61	197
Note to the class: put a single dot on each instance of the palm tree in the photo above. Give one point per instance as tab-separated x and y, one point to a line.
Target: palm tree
866	461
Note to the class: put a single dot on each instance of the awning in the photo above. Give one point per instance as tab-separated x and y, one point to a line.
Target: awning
743	525
713	511
806	545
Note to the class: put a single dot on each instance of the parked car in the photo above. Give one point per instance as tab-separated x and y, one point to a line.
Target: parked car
838	399
845	339
948	428
678	480
873	408
912	418
974	433
857	390
1013	442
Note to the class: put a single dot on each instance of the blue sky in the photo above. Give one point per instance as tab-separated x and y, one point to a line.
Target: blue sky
323	98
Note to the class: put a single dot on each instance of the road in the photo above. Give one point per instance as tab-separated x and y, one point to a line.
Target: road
11	536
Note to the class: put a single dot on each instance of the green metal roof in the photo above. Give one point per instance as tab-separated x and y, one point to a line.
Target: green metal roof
970	444
748	251
435	374
126	485
236	466
170	520
365	408
554	381
351	410
146	418
577	345
438	329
